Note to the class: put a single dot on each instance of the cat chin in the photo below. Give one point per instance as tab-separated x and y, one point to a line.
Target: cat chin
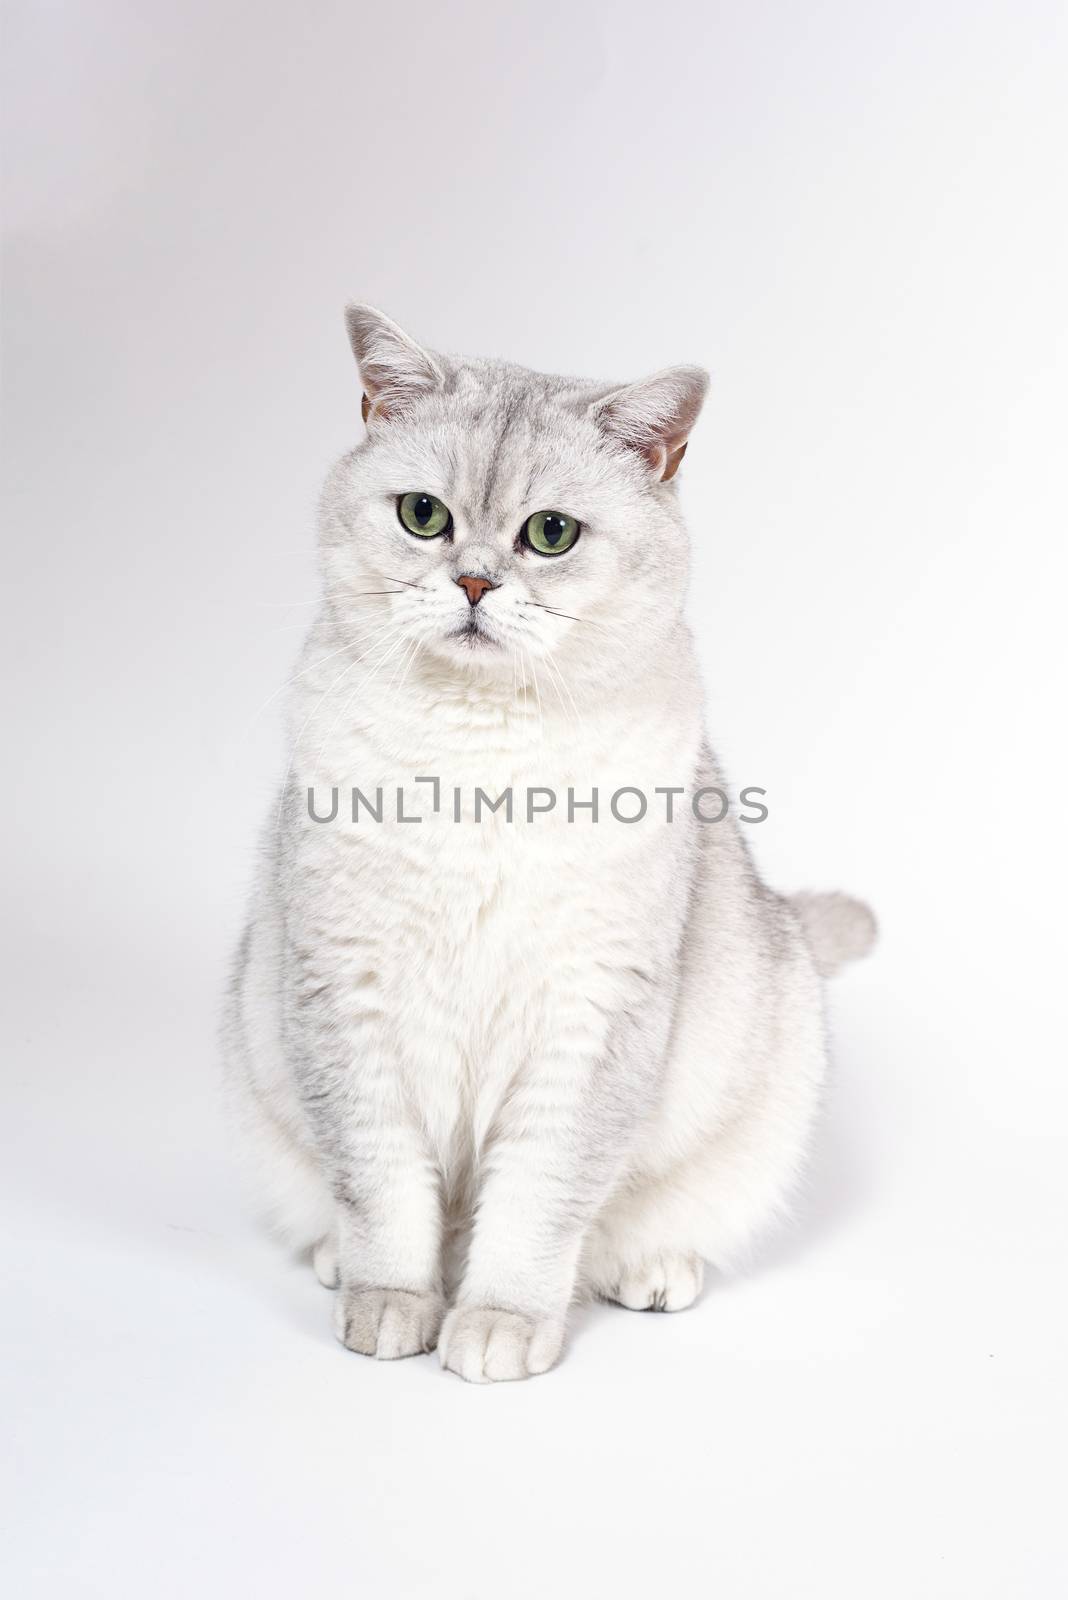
471	644
478	660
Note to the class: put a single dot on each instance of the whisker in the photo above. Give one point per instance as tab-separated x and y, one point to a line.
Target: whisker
537	691
588	622
553	611
327	594
306	724
387	649
350	645
606	627
407	668
578	722
343	589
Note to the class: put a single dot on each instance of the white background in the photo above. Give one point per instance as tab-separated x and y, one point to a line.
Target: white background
854	215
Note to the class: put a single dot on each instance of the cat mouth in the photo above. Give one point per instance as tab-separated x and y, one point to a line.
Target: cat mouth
472	634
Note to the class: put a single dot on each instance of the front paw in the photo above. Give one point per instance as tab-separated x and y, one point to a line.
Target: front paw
485	1345
388	1323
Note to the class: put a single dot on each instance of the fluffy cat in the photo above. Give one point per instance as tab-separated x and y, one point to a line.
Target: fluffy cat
483	1064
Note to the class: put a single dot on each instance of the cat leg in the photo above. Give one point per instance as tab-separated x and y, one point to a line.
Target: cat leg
560	1142
389	1235
284	1176
669	1280
390	1301
720	1160
641	1252
325	1260
648	1247
508	1320
282	1169
384	1248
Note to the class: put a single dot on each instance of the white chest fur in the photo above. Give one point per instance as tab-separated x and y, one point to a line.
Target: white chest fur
464	936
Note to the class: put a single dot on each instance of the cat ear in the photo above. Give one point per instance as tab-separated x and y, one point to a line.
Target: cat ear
394	369
654	417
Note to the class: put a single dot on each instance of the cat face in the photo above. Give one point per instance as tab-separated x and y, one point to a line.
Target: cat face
508	516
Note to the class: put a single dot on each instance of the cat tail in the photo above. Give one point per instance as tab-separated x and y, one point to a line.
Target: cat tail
838	928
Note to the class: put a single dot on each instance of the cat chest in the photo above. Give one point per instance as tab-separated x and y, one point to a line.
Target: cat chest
447	909
471	953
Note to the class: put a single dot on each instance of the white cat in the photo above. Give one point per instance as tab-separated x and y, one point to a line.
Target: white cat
484	1062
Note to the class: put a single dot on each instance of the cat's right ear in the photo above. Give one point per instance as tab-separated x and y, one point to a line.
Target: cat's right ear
394	369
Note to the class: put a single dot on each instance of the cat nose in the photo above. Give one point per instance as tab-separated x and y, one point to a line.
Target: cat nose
474	588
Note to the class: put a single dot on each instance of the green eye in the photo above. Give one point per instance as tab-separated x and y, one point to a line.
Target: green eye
423	515
550	533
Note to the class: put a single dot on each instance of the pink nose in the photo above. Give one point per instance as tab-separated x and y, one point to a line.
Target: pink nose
474	588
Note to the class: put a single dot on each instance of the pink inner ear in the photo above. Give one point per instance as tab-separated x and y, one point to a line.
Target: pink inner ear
663	459
673	462
654	417
374	406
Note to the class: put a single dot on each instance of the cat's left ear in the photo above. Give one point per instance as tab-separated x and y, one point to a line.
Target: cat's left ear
394	369
655	417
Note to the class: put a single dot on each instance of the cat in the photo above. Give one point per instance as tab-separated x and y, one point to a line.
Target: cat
483	1066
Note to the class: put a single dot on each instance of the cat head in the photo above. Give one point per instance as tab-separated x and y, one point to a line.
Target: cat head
509	515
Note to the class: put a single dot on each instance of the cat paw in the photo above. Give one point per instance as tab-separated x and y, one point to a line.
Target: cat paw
664	1283
324	1262
388	1323
484	1345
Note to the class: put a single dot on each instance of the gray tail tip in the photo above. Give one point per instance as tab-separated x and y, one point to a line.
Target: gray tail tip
838	928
